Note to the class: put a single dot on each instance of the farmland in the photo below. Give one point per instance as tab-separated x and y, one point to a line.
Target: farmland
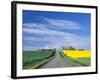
50	58
34	59
77	57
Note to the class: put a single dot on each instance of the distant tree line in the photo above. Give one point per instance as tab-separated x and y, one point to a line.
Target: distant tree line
70	48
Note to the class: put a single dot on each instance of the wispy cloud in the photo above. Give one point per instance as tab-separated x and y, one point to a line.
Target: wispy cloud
66	24
51	35
55	24
48	32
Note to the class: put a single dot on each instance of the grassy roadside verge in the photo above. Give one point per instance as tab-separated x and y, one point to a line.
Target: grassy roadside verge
38	64
70	60
35	59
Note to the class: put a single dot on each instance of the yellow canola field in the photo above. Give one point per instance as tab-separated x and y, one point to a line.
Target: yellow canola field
77	53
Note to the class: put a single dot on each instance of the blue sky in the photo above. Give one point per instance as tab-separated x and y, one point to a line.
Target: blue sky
42	29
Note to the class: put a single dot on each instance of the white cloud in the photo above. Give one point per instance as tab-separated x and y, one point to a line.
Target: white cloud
66	24
46	32
55	24
53	36
58	39
34	26
30	48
